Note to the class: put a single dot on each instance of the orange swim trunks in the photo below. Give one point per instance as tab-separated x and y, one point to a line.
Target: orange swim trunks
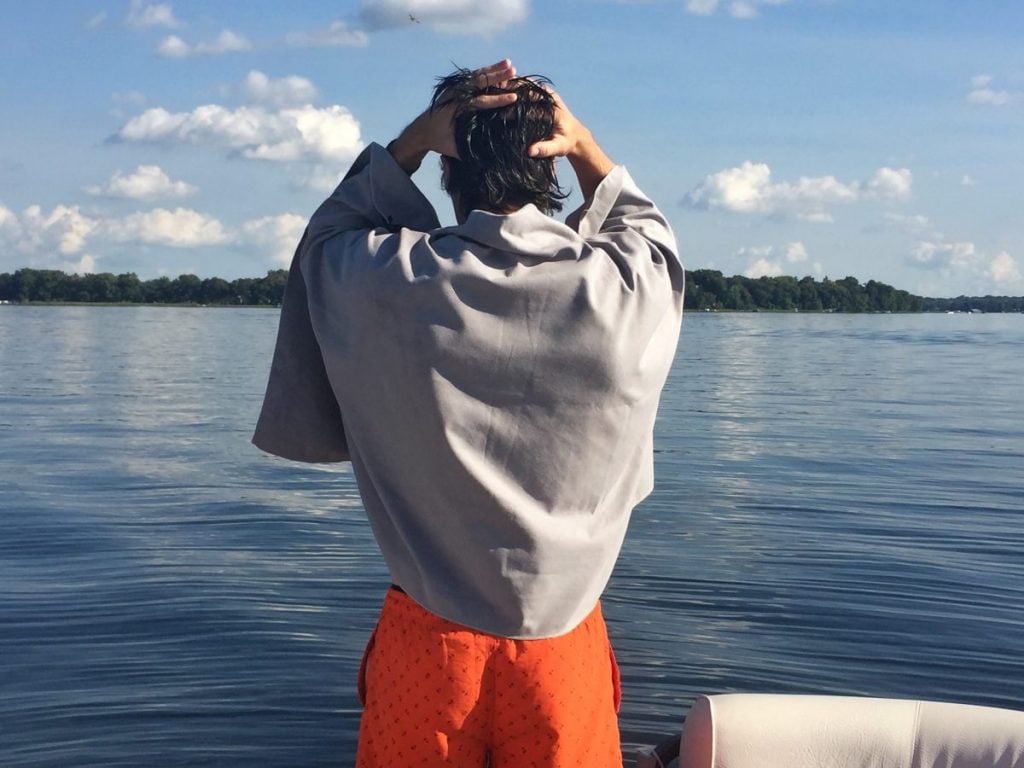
438	693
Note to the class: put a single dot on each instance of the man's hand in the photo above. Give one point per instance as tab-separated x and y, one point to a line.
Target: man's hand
432	131
573	140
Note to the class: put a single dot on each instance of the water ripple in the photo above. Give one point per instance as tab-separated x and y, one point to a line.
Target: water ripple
838	511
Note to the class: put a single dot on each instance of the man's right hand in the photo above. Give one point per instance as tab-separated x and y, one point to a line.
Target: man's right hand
573	140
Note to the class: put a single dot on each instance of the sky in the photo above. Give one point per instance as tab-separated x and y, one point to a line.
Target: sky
881	139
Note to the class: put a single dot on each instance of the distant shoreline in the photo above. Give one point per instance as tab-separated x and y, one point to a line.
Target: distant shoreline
689	311
706	290
107	304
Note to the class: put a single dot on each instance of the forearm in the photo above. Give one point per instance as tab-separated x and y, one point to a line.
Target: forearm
590	163
411	146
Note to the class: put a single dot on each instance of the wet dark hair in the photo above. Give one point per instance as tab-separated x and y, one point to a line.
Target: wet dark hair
493	171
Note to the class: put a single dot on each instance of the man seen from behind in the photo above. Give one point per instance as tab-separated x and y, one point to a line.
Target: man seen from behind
495	385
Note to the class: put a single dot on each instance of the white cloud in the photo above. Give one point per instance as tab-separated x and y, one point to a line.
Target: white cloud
989	97
41	239
1004	270
967	181
983	94
740	189
142	14
763	268
323	178
64	227
97	21
282	92
180	228
947	262
337	34
701	7
890	183
10	231
280	234
84	266
755	251
210	124
943	253
754	7
738	9
8	219
743	9
468	17
146	182
173	47
962	264
748	188
796	252
914	223
762	264
327	133
35	233
301	133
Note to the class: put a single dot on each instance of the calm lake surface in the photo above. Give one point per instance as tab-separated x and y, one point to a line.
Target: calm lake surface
839	509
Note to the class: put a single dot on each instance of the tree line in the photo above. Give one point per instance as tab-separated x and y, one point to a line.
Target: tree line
53	285
706	289
709	289
971	303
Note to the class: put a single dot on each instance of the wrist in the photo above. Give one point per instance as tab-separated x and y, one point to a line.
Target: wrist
589	162
582	144
408	150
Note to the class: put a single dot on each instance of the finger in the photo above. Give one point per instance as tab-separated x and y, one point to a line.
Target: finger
493	101
554	147
496	69
495	74
496	77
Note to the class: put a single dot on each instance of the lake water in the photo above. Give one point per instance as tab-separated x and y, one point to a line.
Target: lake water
839	509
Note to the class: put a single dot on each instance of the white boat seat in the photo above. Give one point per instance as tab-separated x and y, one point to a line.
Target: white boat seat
782	731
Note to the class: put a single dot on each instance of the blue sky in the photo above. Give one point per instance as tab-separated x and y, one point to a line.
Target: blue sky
883	140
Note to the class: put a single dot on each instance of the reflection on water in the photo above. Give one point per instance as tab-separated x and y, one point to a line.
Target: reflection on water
837	511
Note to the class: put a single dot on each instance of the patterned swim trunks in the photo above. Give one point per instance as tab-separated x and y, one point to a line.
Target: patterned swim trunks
438	693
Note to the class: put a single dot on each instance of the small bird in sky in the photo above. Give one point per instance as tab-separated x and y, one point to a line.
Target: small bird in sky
413	19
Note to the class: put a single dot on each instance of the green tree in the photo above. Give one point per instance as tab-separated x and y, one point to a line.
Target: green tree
854	298
271	288
738	297
185	289
785	293
809	298
158	291
43	284
242	288
100	287
129	287
215	290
